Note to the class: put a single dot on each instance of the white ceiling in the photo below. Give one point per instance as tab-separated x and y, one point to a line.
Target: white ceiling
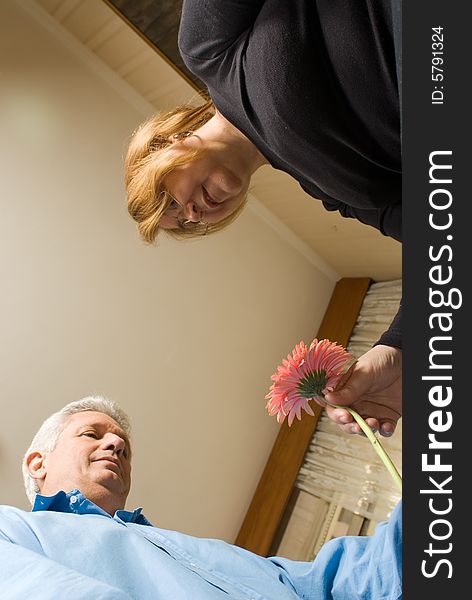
348	247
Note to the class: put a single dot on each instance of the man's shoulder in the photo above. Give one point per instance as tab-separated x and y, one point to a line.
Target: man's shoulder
15	515
13	523
31	529
10	511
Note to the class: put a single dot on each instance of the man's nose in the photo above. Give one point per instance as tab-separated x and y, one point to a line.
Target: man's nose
114	442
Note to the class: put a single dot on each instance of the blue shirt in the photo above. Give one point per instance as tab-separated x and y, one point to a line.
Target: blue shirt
69	547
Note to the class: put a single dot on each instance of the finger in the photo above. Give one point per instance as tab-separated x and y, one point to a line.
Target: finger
372	409
344	379
327	389
345	396
351	428
349	389
373	424
387	428
339	415
355	428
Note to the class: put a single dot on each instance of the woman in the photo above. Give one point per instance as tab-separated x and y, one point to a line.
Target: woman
310	88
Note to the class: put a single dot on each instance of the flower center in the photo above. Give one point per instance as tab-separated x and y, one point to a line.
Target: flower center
313	384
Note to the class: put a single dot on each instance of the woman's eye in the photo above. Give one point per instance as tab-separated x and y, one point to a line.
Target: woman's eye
174	205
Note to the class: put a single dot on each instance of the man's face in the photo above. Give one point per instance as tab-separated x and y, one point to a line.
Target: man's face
93	455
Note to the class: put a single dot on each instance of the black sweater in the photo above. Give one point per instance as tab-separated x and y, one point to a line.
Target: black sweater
313	85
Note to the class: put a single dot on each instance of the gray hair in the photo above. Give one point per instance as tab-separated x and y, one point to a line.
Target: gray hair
47	435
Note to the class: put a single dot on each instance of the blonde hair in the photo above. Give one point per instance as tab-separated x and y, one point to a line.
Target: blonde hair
148	161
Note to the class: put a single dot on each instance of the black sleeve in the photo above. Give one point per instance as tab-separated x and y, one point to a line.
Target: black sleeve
209	27
393	335
388	219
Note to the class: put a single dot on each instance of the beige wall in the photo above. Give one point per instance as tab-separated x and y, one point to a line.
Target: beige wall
184	336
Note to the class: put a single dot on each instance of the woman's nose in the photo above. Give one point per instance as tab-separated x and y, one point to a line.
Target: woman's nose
191	212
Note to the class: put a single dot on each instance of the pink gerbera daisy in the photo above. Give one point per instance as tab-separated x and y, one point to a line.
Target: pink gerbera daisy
304	375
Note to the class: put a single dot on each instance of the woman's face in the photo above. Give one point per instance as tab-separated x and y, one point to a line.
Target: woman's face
207	189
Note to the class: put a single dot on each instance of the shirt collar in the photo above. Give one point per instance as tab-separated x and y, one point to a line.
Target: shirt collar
75	502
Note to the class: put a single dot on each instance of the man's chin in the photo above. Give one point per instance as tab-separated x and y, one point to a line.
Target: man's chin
110	482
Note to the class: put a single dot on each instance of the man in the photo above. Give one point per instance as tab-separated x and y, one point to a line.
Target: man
79	542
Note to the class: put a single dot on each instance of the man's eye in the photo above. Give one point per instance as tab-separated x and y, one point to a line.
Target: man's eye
91	434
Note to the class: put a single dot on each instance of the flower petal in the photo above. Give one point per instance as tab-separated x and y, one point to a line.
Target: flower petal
302	376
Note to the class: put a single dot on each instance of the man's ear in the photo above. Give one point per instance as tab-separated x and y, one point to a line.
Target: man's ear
35	465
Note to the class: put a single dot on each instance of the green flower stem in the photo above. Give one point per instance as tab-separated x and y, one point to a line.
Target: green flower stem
387	461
